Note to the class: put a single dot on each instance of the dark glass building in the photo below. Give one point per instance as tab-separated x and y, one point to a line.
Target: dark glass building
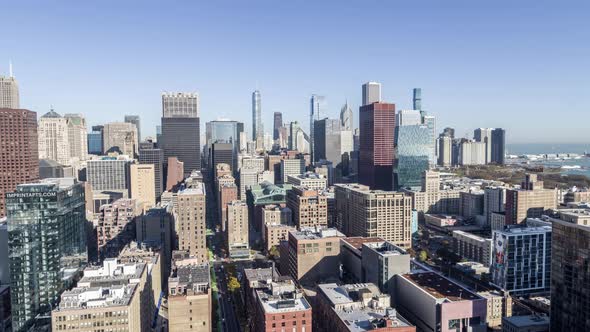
413	149
377	125
224	131
278	123
498	146
47	242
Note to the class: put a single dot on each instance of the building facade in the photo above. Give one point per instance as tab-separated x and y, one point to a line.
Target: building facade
192	226
310	207
120	137
377	126
237	230
54	142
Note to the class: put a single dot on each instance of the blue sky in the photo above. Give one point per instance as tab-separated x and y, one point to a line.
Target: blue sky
522	65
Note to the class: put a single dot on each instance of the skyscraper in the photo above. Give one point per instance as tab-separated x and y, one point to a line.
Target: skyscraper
77	136
95	145
257	130
413	146
484	135
54	141
142	184
346	118
47	241
181	135
155	157
192	235
317	106
417	99
327	140
9	91
377	125
498	146
445	148
120	137
224	131
19	150
278	123
134	119
371	93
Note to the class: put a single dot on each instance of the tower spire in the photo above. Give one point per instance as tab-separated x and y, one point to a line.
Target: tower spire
10	68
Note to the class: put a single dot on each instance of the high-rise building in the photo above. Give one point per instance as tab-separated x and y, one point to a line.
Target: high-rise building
371	93
484	135
310	207
430	186
374	213
156	228
346	118
154	157
445	150
472	247
95	145
417	99
413	148
134	119
278	123
498	146
54	142
116	226
257	128
293	130
224	131
570	290
237	230
9	97
317	106
531	200
327	141
472	153
181	134
291	167
47	241
175	173
223	153
19	148
377	126
109	173
191	223
189	301
494	200
120	137
318	262
521	263
77	136
142	186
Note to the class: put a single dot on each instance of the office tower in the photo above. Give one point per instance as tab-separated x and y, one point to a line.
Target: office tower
109	173
417	99
47	241
418	296
522	260
237	230
570	290
181	135
120	137
189	302
484	135
156	227
9	92
134	119
291	167
175	173
318	262
371	93
224	131
77	136
346	118
430	186
154	157
430	122
257	129
494	200
278	123
498	146
20	150
445	150
317	106
377	125
327	141
277	304
223	153
54	141
293	130
116	226
143	184
192	227
413	144
310	207
529	201
369	213
95	142
472	153
341	307
309	180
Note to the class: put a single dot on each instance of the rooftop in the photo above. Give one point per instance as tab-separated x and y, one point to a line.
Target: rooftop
440	287
197	188
517	230
316	233
357	242
385	248
96	297
530	320
368	319
282	297
190	277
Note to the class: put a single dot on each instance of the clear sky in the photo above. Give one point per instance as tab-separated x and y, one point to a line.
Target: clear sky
522	65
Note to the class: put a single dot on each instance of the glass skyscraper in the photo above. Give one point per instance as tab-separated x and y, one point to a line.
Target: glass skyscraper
47	245
413	149
224	131
95	142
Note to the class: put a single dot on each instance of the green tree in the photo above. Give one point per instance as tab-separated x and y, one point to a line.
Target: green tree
274	252
233	284
422	256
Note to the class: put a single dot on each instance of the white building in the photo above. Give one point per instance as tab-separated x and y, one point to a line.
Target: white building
54	140
472	153
9	92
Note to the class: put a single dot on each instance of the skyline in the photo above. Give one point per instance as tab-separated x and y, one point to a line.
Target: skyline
108	70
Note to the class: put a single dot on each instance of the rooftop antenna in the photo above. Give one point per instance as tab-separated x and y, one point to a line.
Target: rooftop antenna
10	68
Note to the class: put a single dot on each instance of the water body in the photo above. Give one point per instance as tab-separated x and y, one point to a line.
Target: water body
569	166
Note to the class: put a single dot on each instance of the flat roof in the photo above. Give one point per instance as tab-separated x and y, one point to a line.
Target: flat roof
358	241
368	319
440	287
314	234
529	320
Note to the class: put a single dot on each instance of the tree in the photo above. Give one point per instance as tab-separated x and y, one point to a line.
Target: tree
422	256
274	252
233	284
